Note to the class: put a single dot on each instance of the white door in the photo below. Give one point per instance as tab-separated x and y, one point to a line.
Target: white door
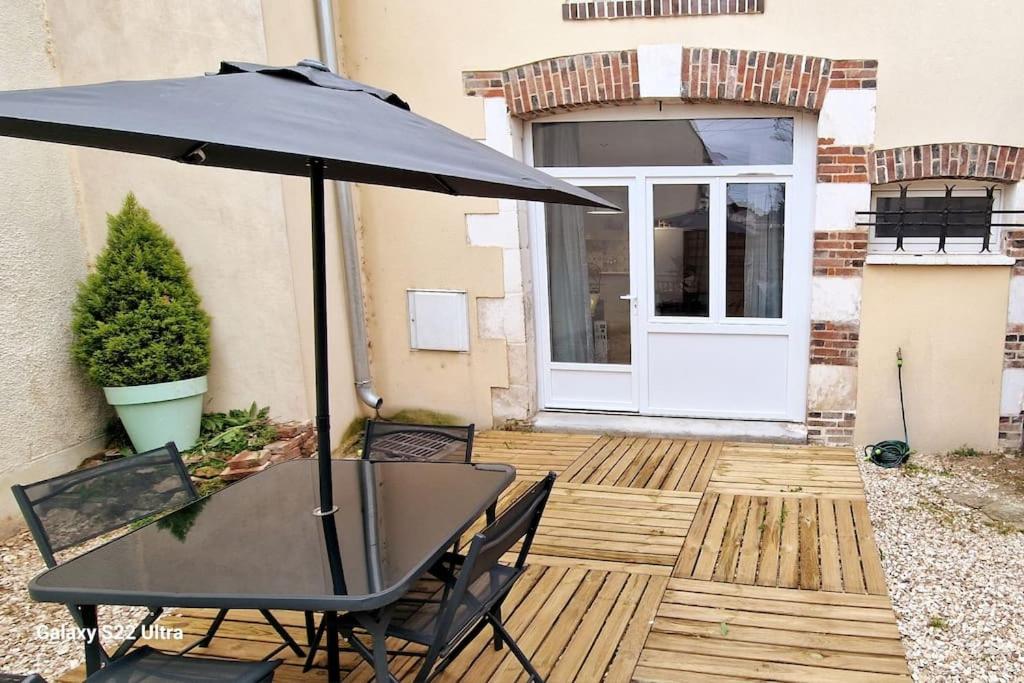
589	259
724	319
694	299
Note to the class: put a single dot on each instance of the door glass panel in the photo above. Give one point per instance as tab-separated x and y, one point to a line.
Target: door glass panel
755	240
681	244
665	142
588	272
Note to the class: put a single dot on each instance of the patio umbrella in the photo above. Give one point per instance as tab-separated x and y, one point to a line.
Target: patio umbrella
301	120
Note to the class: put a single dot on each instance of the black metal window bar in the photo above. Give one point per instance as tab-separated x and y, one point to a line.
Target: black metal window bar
902	218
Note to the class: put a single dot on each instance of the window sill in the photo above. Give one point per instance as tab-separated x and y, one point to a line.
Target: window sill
939	260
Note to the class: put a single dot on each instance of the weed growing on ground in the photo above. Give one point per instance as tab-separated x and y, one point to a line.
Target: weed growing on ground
945	517
965	451
1001	528
937	622
910	469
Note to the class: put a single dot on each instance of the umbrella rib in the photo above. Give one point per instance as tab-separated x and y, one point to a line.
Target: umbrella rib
441	181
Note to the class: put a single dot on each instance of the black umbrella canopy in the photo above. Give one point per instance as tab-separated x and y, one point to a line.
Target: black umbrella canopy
275	119
302	120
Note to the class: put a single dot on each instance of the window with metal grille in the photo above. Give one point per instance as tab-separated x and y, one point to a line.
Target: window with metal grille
931	218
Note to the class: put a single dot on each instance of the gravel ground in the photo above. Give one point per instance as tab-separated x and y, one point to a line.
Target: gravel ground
956	578
22	648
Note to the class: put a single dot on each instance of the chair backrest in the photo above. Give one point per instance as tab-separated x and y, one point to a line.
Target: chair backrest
516	523
428	443
72	508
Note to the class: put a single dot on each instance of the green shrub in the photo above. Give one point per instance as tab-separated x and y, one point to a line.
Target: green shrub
138	318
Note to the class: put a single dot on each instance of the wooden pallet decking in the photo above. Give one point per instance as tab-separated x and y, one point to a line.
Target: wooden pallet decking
707	631
805	542
766	469
664	560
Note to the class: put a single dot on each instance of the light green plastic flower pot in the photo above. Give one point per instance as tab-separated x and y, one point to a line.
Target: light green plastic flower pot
154	414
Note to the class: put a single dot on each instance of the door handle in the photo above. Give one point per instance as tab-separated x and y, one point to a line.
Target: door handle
628	297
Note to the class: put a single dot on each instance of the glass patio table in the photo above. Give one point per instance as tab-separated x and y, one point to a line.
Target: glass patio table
259	545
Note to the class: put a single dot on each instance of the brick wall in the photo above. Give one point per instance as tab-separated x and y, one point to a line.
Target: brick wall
834	343
484	83
711	74
840	252
562	83
831	428
1013	246
841	163
972	160
1010	432
853	74
1013	347
574	10
707	74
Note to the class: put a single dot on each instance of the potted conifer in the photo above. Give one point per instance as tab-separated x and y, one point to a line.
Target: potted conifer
140	332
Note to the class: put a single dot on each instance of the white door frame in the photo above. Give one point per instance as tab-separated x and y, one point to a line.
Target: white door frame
800	181
542	324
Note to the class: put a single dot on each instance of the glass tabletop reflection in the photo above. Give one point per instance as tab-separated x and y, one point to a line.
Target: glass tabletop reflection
258	544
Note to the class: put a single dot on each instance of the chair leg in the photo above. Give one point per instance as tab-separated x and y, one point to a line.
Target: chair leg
125	646
310	627
212	631
496	619
314	645
457	650
523	659
282	633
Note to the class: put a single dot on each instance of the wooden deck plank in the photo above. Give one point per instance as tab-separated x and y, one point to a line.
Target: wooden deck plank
810	574
567	665
789	548
683	462
853	577
712	545
771	541
673	454
631	641
767	470
831	570
746	569
725	567
707	467
871	565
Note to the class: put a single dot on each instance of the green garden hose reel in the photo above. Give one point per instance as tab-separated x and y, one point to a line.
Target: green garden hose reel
892	453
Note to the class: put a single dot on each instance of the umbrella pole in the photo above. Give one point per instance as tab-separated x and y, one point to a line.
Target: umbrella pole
323	417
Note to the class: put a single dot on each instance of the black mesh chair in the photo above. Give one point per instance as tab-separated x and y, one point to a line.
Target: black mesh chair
425	443
473	593
70	509
146	665
419	443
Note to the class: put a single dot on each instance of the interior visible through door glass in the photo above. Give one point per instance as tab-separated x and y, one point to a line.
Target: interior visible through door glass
754	244
588	274
681	261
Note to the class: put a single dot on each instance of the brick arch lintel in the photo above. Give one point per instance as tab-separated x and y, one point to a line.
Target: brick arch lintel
595	79
947	160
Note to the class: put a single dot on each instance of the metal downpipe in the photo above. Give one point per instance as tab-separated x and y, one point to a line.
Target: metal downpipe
349	245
